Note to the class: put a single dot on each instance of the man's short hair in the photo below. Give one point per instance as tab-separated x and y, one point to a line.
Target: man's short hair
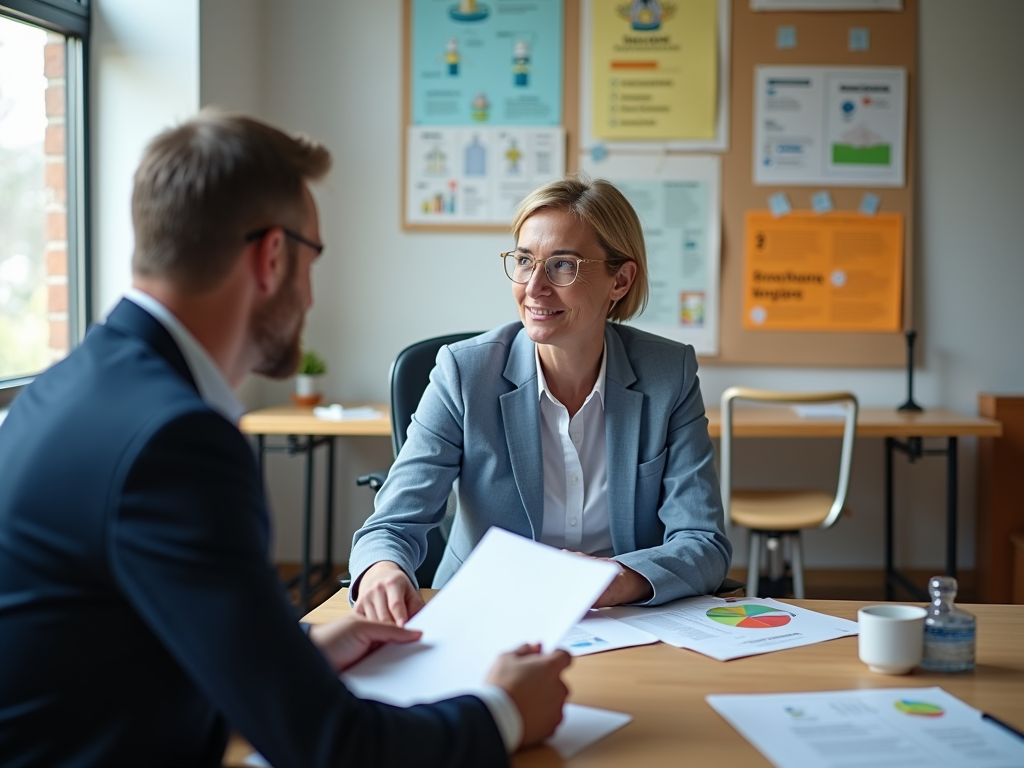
203	186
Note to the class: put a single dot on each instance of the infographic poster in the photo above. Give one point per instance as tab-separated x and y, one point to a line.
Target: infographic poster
486	63
830	125
823	272
653	69
477	176
677	200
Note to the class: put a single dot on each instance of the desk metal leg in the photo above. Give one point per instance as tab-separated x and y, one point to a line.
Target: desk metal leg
890	569
260	441
307	525
329	523
951	504
914	449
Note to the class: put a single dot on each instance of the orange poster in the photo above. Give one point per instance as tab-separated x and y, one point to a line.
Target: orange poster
823	272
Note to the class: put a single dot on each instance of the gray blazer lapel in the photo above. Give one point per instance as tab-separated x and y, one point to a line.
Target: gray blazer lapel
520	412
623	409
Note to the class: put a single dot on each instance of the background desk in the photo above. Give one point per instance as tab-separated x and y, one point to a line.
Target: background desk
304	433
664	688
903	431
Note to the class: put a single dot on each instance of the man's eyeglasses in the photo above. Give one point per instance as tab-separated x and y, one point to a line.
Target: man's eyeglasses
561	270
259	234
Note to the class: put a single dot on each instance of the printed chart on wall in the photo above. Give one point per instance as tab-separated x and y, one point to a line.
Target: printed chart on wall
486	92
730	629
677	200
493	63
830	125
652	69
477	175
823	272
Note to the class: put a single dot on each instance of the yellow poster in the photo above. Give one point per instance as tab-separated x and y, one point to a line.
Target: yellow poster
823	272
654	69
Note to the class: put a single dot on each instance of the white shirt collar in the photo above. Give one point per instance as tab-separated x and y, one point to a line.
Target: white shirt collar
213	387
542	384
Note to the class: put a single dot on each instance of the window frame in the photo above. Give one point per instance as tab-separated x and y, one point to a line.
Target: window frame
70	18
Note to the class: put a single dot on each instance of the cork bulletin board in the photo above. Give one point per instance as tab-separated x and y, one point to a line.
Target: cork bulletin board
821	40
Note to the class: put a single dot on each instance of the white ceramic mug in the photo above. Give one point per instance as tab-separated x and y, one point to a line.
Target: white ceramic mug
891	637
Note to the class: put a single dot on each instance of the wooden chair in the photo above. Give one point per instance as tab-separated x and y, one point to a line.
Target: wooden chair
777	516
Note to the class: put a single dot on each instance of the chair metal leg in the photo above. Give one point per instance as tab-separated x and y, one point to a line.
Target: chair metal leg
797	556
776	562
753	564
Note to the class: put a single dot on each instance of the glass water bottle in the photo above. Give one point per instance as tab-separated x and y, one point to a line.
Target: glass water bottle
948	631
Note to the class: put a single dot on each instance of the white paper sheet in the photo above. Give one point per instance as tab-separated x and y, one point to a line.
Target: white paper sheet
582	726
730	629
336	412
509	591
821	411
596	633
880	728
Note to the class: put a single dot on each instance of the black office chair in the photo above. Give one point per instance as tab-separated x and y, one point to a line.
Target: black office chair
410	374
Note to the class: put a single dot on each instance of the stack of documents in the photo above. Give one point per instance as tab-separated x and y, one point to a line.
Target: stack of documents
730	629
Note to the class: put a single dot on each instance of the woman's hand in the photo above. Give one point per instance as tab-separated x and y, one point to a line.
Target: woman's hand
347	640
628	587
386	594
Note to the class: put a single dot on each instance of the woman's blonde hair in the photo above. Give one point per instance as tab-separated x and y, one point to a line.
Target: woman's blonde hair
606	210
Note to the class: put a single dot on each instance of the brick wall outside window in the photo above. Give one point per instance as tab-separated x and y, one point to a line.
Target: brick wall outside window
55	181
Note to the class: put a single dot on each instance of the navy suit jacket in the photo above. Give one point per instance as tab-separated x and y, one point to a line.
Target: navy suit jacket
140	618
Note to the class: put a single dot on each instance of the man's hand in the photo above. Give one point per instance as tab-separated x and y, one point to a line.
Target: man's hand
533	681
386	594
347	640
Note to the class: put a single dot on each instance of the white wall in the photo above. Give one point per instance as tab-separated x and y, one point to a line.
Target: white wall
332	70
144	77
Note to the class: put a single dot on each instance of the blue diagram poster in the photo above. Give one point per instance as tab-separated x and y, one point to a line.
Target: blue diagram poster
490	63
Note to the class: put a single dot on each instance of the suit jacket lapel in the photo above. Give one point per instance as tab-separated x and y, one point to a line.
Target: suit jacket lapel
520	411
623	410
129	318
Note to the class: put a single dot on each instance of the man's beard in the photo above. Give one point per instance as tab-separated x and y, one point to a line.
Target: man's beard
277	329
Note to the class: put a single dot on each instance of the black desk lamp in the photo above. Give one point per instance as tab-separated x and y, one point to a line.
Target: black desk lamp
910	405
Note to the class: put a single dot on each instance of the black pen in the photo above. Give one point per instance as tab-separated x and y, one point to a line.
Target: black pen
997	721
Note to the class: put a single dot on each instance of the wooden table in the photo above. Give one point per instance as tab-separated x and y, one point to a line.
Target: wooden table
305	433
902	431
664	688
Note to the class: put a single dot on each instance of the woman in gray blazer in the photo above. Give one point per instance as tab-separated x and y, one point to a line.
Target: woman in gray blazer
567	428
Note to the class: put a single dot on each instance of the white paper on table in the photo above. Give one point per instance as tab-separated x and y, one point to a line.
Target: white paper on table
596	633
881	728
732	628
509	591
821	411
582	726
336	412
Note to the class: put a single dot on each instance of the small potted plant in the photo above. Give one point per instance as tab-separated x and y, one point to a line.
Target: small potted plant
309	379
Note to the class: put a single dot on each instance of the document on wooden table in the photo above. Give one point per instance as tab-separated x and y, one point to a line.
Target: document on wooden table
728	628
510	591
596	633
880	728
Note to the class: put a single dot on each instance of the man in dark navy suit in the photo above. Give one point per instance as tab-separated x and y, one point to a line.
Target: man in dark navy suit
140	618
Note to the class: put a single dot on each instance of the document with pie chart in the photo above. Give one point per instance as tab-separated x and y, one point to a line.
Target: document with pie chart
727	629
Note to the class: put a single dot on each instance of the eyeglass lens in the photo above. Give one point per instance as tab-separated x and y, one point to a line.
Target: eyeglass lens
560	270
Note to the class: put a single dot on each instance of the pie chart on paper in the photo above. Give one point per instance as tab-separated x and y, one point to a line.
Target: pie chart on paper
749	616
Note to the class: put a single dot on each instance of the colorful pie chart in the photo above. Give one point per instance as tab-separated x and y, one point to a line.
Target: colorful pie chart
919	708
749	616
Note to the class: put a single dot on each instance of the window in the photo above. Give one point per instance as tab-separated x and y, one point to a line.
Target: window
43	289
